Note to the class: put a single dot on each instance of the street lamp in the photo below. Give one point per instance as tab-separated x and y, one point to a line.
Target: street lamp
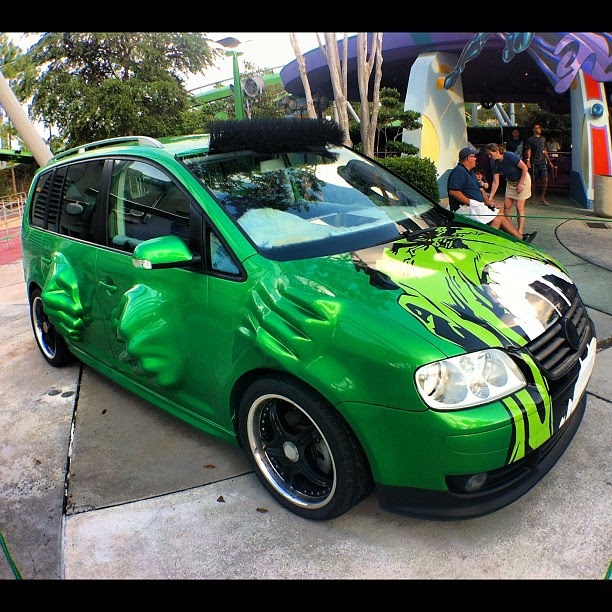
238	97
231	43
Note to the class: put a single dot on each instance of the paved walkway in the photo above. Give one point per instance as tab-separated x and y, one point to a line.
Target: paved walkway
10	241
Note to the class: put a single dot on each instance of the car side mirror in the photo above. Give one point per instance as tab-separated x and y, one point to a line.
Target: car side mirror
163	252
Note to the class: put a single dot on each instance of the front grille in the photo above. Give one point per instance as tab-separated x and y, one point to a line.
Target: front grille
552	351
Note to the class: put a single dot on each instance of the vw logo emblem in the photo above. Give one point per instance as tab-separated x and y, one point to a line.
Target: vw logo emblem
571	334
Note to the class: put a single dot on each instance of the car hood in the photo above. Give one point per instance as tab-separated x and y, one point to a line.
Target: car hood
466	286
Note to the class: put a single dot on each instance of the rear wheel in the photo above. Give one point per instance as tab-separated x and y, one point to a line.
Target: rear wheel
50	343
302	450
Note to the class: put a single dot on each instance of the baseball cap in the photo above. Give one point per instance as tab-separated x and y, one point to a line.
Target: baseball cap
466	152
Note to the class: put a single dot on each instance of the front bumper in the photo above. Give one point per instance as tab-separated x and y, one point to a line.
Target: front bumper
507	484
428	464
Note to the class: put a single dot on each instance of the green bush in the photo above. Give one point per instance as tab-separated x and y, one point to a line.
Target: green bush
420	172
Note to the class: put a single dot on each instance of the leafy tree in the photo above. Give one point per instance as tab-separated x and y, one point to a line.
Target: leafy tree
16	178
195	119
266	106
95	85
13	66
392	121
8	56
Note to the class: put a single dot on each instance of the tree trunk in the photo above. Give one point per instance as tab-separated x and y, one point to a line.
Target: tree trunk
330	51
312	113
338	73
365	64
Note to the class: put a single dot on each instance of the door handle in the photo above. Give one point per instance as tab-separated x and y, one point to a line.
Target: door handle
108	286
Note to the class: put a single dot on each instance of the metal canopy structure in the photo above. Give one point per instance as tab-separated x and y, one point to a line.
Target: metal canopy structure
495	67
18	156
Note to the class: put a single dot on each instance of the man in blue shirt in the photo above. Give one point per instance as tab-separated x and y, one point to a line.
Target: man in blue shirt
465	197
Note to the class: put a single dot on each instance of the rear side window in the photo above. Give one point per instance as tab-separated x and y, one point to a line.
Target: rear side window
65	199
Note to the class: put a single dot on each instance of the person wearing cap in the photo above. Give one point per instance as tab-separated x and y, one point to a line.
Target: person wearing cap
466	198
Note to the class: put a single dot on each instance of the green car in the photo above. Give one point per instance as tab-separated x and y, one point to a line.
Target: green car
281	292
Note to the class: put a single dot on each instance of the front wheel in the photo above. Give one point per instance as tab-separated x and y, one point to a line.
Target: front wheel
302	450
50	343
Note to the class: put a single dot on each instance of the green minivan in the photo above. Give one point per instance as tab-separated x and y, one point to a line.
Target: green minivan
283	293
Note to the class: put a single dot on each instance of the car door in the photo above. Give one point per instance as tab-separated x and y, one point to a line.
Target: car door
69	203
157	320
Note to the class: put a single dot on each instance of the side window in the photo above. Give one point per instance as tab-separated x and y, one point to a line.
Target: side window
144	203
220	259
40	214
65	198
80	194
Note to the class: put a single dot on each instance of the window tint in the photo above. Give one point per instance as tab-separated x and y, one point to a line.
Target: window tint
81	189
220	259
144	203
65	199
41	203
311	203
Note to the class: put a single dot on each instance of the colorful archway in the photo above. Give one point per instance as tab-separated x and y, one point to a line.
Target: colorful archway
541	67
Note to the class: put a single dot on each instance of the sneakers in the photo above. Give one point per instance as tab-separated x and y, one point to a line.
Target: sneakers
529	237
544	202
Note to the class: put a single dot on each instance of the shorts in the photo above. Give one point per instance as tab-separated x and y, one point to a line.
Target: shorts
539	170
513	194
479	211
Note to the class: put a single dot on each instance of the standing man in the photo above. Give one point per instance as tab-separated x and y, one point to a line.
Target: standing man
537	158
466	198
515	143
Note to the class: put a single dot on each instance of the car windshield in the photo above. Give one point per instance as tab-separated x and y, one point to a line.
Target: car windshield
314	202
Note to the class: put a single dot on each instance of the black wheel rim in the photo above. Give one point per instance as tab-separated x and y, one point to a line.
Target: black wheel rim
291	452
44	330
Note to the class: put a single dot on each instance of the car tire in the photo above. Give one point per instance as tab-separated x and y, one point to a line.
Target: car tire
302	450
51	344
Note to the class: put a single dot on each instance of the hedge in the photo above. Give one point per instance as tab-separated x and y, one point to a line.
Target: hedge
419	172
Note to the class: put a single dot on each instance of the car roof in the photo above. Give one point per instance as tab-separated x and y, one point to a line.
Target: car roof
262	135
151	147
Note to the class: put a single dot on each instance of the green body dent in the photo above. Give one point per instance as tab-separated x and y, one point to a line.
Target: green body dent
146	321
62	299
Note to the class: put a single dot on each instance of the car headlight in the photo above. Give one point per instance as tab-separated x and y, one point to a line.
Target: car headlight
468	380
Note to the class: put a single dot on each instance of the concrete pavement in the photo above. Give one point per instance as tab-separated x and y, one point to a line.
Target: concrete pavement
97	484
